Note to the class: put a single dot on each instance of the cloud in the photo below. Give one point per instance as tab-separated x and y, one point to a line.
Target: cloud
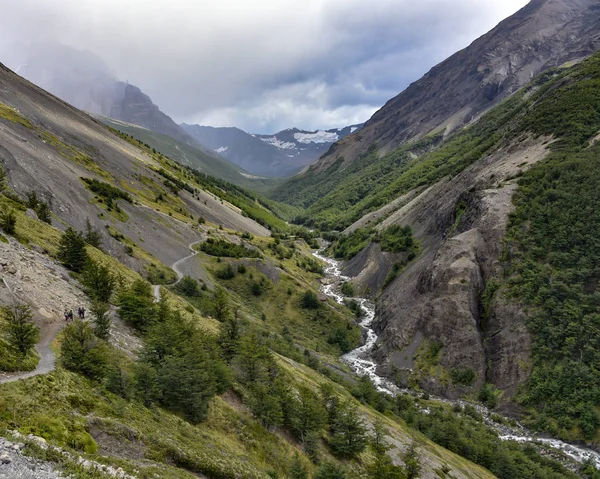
262	65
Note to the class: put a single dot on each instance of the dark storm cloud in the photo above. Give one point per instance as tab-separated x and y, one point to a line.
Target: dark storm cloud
262	65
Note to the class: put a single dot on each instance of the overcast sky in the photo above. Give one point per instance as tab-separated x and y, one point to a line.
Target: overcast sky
262	65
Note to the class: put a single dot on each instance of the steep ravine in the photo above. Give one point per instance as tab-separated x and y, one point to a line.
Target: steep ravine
362	363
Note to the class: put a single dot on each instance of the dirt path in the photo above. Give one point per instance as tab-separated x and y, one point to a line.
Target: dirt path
47	361
47	358
175	267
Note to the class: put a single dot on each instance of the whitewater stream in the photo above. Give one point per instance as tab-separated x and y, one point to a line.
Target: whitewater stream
362	363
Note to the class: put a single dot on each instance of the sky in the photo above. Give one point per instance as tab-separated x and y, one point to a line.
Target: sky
261	65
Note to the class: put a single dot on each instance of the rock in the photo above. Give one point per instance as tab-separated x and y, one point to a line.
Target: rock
37	248
32	214
11	268
5	459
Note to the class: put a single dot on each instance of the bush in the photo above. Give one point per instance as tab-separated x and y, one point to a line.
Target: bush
82	352
188	287
136	305
463	376
227	272
328	470
8	221
309	300
348	289
222	248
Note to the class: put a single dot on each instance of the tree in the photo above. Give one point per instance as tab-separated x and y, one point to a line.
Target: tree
309	300
71	250
349	434
146	383
221	305
229	337
136	305
22	333
8	221
188	287
44	213
82	352
32	200
382	467
298	470
328	470
92	236
412	462
308	414
98	281
265	406
101	318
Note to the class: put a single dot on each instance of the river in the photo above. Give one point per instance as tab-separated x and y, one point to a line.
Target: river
361	362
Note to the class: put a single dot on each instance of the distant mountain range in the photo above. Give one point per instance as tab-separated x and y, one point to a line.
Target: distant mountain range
282	154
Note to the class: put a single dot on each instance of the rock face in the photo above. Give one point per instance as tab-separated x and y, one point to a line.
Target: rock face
461	223
544	34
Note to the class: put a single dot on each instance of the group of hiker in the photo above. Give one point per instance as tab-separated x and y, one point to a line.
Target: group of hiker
69	314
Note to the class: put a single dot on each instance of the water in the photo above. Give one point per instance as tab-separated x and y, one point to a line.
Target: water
362	363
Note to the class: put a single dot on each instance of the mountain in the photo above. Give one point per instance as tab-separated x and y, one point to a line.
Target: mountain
280	155
467	210
83	79
544	34
206	349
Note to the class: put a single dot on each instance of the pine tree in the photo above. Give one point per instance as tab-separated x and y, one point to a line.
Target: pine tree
349	434
308	414
329	470
101	318
71	250
97	280
8	221
92	236
22	333
221	305
298	470
44	213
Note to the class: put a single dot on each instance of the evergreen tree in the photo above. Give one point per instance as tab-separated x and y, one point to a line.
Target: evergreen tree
8	221
298	470
22	333
146	384
309	300
71	250
229	337
308	415
221	305
101	318
329	470
349	434
265	406
92	236
32	200
44	213
136	305
97	280
82	352
412	462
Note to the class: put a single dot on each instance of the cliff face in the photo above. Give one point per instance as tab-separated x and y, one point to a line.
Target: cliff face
544	34
439	297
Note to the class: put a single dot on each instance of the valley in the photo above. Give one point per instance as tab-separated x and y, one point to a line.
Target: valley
416	296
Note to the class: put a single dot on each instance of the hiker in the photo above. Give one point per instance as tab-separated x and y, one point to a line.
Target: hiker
82	313
71	315
66	316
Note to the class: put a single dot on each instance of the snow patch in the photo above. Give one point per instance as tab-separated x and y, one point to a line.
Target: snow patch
223	149
277	143
353	129
319	136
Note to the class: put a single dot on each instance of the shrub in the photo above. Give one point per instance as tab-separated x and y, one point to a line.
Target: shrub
71	250
224	248
8	221
82	352
309	300
98	281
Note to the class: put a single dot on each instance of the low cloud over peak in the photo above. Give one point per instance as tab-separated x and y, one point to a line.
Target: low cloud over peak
261	66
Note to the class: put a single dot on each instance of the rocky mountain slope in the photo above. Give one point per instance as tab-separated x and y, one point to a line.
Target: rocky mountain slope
281	154
544	34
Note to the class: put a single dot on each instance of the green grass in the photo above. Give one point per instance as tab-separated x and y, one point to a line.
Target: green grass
10	114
